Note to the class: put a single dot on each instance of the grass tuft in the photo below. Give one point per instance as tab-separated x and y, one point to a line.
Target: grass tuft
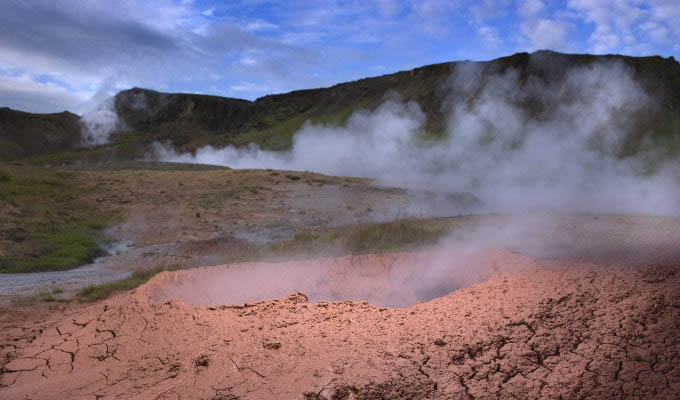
100	292
397	235
47	297
392	235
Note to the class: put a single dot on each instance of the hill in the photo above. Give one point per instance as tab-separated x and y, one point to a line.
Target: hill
23	134
193	120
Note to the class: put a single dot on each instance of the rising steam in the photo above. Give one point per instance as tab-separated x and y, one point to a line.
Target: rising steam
568	158
98	124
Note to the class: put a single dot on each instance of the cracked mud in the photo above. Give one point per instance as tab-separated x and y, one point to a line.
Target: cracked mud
535	328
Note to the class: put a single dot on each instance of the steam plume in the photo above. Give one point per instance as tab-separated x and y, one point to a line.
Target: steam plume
98	124
568	159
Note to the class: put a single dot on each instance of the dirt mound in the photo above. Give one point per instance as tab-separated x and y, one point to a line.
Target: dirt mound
530	331
390	279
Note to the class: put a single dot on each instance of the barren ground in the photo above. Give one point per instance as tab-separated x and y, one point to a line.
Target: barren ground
591	312
534	329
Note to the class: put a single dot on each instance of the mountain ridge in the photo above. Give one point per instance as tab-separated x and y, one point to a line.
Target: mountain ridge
192	120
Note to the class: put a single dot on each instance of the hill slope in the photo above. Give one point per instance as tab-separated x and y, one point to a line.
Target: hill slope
192	120
23	134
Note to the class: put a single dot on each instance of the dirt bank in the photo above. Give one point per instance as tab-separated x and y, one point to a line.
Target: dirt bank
548	329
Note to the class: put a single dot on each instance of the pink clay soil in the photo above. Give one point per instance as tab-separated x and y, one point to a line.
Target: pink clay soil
519	328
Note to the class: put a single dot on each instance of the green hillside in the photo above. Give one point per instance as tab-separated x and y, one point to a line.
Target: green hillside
192	120
23	134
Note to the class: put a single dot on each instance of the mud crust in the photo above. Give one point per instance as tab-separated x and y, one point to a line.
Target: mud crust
533	330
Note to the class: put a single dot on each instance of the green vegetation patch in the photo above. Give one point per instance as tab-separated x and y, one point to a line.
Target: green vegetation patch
401	234
47	226
100	292
48	297
65	247
393	235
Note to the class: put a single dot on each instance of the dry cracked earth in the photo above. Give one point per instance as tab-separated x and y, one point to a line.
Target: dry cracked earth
531	328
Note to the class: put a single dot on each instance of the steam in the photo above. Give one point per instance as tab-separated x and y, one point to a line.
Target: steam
534	150
368	146
562	155
478	247
98	124
381	279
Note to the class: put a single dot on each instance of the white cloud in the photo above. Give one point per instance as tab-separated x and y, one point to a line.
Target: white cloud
489	9
546	34
667	14
531	7
249	87
259	25
247	61
620	24
656	31
156	44
23	92
433	15
489	35
389	8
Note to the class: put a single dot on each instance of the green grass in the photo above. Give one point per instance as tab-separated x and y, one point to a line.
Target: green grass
57	157
393	235
54	229
125	147
66	247
47	297
397	235
100	292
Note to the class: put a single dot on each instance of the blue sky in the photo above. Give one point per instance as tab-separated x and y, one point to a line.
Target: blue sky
68	55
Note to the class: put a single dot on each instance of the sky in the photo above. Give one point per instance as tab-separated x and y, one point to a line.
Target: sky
58	55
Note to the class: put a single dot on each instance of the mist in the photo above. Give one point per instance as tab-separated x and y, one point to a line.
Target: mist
98	124
569	159
538	164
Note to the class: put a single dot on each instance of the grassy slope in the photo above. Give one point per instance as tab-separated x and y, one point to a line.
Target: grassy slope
23	134
45	226
190	120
